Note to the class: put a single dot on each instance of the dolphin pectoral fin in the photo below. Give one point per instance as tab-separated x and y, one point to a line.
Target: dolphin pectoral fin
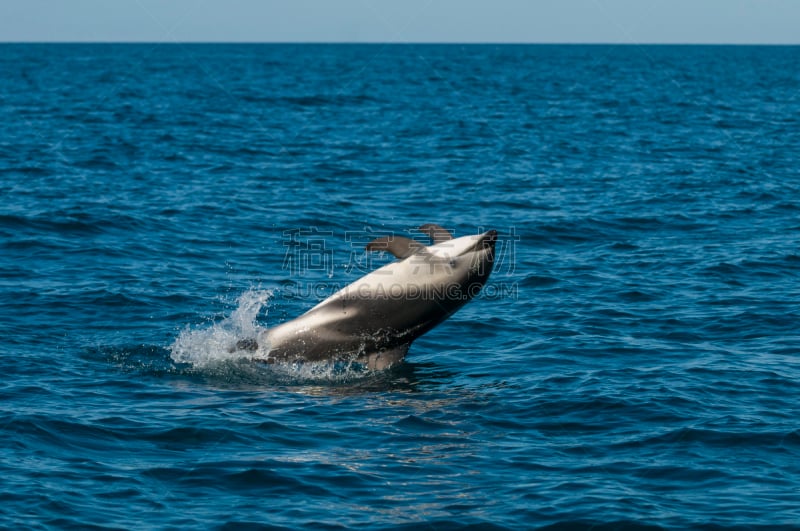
437	234
399	246
384	359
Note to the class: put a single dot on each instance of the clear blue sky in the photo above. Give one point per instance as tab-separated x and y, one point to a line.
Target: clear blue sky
581	21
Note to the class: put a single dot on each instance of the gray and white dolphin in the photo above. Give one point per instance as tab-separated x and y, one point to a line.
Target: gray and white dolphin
375	319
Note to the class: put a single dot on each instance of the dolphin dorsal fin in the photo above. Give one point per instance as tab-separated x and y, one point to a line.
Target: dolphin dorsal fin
399	246
437	234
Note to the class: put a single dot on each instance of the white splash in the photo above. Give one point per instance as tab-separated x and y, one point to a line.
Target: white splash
212	345
211	350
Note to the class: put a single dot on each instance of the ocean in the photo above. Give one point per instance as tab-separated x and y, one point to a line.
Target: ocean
632	364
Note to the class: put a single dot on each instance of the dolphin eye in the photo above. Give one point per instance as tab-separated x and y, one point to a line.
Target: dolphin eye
452	262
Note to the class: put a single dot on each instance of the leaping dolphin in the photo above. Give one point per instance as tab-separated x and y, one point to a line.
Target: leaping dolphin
375	319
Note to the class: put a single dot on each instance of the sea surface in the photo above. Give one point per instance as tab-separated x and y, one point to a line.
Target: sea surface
633	362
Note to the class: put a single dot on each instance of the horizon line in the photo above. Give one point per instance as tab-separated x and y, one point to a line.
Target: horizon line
402	43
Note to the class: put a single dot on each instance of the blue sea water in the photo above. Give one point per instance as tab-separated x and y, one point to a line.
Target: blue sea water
633	363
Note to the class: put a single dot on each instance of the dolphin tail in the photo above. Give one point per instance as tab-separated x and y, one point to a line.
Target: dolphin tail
249	344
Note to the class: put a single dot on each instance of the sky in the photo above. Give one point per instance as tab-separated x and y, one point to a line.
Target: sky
459	21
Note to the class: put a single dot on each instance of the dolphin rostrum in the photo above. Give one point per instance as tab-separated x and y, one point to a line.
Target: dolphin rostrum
374	320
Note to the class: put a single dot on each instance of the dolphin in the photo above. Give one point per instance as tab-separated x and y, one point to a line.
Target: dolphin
375	319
